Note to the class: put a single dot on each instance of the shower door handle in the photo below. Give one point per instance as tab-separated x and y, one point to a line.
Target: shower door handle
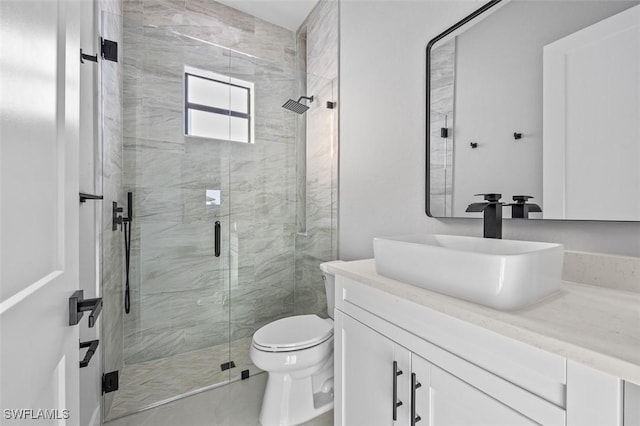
217	239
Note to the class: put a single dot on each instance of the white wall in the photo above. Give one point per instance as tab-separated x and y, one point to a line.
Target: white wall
382	140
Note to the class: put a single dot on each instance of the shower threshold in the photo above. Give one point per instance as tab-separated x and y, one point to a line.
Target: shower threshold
153	383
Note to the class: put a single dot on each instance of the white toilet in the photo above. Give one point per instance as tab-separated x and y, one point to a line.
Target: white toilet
297	353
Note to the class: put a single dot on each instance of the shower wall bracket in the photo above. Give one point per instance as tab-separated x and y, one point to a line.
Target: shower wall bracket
109	49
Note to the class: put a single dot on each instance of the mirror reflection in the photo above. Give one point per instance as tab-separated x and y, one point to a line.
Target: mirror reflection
537	99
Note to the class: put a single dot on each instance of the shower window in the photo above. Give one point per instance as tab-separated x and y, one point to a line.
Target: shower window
218	106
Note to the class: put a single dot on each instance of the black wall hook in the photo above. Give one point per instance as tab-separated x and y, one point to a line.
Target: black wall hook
517	136
84	197
473	145
84	56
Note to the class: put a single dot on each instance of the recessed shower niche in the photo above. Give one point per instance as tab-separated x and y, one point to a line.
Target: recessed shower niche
229	227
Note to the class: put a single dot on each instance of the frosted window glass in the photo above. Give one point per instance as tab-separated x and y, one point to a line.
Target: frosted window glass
208	92
239	129
217	106
239	99
208	124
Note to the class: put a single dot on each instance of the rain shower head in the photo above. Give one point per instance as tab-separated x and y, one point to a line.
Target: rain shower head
296	106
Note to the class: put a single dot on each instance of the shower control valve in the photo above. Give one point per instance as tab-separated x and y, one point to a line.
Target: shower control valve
117	217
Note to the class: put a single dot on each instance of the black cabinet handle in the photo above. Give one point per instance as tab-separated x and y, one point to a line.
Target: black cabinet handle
92	345
217	239
78	305
414	385
396	403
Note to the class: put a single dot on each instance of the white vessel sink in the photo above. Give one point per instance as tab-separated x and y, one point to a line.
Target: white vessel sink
503	274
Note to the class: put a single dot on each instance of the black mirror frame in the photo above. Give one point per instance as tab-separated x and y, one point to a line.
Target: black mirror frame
433	41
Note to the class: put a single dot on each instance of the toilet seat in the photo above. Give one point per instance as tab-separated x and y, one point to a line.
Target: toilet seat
293	333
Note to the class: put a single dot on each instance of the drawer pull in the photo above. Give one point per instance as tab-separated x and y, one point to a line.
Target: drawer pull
396	403
414	385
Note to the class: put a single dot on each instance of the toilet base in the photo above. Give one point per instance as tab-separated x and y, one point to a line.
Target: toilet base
289	401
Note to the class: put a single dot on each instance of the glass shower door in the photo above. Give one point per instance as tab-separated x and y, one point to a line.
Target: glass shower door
262	207
174	341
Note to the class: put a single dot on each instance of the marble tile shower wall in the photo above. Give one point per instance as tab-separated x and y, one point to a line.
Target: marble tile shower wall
318	242
182	296
442	104
111	81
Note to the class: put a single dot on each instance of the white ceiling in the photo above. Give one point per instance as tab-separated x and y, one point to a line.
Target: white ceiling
285	13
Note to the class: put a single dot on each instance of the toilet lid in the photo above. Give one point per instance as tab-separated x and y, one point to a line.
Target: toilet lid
297	332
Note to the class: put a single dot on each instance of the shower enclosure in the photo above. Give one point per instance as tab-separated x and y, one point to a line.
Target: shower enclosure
234	196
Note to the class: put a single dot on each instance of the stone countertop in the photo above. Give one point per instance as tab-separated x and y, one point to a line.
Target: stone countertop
594	326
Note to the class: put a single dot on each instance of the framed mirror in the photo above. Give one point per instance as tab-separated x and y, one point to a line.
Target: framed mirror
540	99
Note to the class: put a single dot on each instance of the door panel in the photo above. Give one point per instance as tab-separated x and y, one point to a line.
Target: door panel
455	402
368	376
605	58
39	207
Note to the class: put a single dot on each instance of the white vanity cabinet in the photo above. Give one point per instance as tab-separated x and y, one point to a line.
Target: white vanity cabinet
452	372
372	363
449	400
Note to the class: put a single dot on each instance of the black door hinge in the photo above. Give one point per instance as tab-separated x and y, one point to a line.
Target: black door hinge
109	49
110	382
227	365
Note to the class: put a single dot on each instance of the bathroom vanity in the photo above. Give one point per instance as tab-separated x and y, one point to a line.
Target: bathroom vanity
406	355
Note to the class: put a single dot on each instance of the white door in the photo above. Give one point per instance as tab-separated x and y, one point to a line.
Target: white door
39	107
591	131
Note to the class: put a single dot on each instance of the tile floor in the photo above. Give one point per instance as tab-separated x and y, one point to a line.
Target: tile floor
237	404
149	382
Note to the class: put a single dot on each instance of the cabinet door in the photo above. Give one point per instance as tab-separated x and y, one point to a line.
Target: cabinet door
452	401
368	377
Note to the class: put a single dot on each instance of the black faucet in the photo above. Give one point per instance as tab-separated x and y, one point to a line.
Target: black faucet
492	210
521	209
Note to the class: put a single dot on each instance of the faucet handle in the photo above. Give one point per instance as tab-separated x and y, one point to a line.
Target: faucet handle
521	199
492	198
